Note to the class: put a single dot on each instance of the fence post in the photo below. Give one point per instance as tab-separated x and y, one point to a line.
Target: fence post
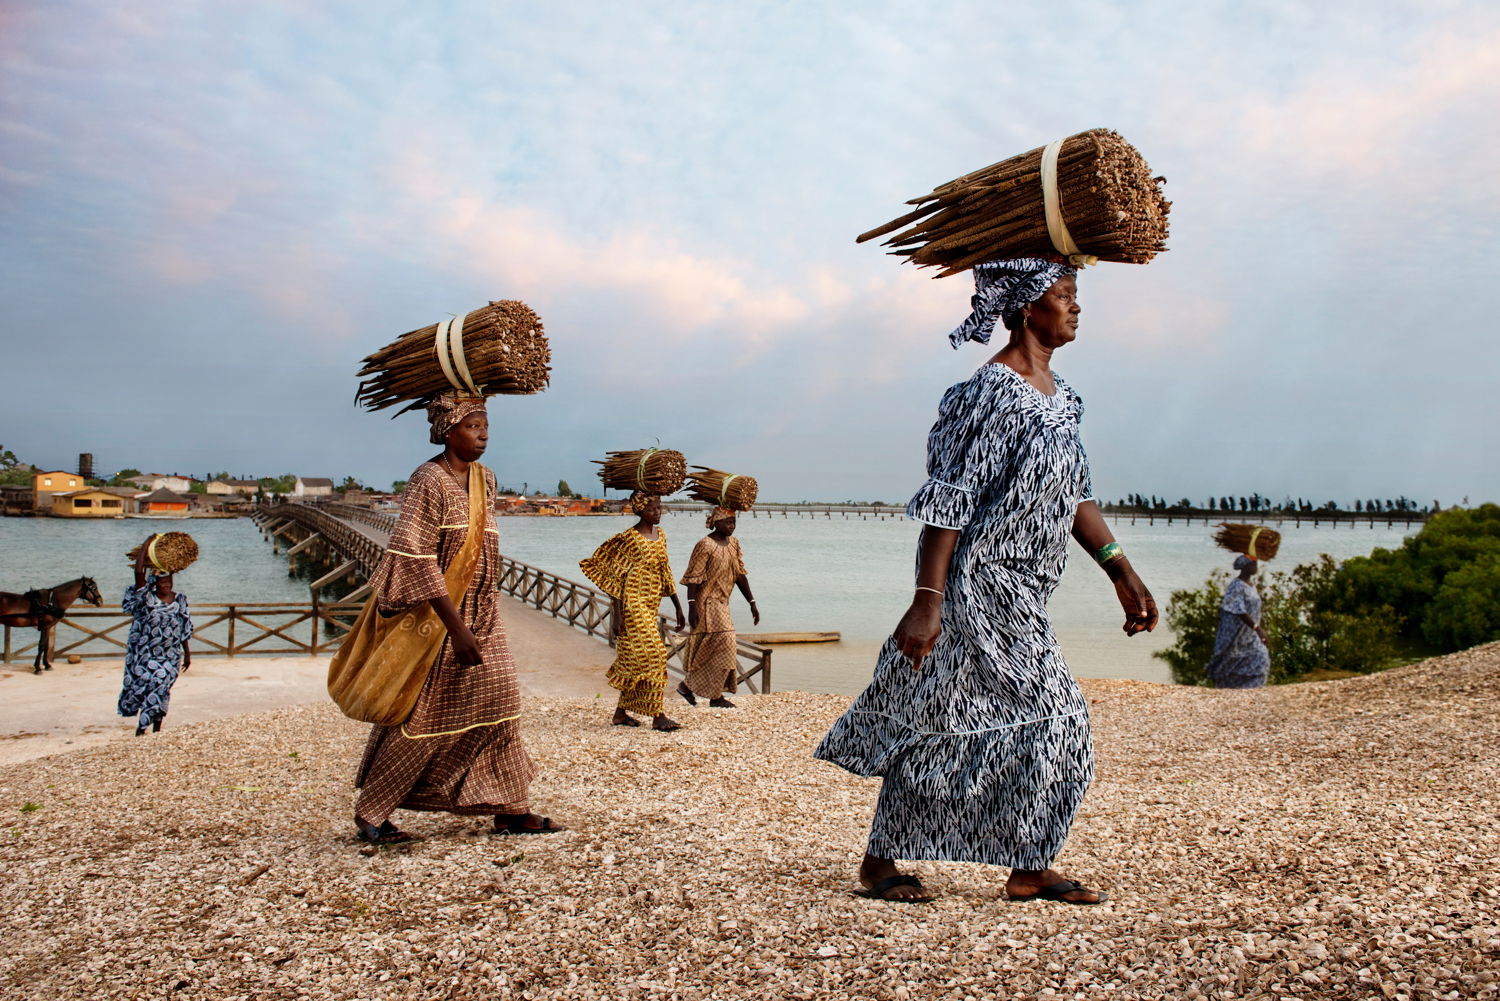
7	644
316	622
230	651
765	672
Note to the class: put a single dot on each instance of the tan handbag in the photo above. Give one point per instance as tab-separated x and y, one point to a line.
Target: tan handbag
382	663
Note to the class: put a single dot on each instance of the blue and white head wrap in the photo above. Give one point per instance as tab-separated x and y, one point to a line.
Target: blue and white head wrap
1241	562
1001	288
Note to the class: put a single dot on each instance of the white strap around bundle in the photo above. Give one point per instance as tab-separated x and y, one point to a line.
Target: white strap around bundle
449	344
1057	228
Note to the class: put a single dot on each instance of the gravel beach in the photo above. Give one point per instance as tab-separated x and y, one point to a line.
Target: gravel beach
1330	840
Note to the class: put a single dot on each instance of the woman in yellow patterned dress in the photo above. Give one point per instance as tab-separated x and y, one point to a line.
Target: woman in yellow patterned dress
632	569
716	568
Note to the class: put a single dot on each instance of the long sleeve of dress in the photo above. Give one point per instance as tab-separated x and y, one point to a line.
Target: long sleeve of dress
610	564
949	497
135	598
414	574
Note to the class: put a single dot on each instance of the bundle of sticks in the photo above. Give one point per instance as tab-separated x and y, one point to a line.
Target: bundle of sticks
1254	541
497	349
170	552
658	471
737	493
1111	206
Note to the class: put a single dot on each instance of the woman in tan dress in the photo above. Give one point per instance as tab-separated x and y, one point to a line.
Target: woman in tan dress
716	568
460	751
632	568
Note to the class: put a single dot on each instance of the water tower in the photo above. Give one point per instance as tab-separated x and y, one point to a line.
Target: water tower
86	465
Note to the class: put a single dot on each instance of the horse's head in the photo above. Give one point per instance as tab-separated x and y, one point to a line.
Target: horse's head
89	592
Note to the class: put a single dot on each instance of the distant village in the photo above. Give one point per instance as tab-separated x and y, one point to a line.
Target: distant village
28	491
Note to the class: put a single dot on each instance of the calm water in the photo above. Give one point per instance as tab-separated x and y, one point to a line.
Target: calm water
852	575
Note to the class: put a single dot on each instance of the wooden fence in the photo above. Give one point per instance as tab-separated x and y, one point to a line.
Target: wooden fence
285	628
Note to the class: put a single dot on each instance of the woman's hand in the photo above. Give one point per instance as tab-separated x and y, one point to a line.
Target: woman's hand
754	613
692	615
466	647
919	628
681	625
187	658
1261	632
1139	606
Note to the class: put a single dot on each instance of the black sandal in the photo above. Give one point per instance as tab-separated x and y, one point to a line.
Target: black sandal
627	721
1058	891
720	703
687	695
516	824
880	889
385	834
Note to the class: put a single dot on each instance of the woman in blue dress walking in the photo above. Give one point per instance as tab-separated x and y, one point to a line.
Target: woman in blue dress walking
1241	658
972	719
157	646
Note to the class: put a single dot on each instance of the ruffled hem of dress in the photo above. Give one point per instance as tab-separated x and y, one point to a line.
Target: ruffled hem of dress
962	765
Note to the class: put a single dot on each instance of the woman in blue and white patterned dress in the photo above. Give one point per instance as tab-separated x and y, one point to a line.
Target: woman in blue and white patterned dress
1241	658
972	719
156	648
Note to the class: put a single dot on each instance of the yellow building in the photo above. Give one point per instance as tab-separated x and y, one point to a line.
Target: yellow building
44	485
93	503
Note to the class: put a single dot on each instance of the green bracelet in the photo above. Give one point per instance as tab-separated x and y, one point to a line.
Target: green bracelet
1109	551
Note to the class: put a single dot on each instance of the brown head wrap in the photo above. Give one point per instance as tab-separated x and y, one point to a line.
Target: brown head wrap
447	411
717	515
638	501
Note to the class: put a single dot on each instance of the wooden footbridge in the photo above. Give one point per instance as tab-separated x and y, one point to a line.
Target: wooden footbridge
345	542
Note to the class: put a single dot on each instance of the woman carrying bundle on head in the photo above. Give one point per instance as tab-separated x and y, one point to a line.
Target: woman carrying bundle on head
972	719
156	648
716	568
1241	658
460	749
632	568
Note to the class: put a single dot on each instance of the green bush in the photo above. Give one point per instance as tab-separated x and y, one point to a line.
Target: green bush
1441	582
1302	637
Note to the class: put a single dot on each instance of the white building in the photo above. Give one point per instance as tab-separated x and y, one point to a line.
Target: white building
151	482
220	487
312	486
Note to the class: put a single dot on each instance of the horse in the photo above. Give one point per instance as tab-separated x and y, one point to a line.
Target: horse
44	608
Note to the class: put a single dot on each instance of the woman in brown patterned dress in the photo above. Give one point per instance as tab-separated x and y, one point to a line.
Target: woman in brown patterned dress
460	751
715	569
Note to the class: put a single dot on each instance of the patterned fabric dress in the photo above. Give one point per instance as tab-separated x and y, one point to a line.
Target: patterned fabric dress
986	751
153	651
711	664
634	571
1240	659
461	749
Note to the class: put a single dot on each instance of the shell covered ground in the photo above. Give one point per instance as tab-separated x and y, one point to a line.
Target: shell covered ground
1331	840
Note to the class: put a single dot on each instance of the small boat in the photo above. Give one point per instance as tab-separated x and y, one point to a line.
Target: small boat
768	639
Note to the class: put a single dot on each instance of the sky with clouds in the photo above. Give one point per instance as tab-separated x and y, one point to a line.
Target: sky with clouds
211	211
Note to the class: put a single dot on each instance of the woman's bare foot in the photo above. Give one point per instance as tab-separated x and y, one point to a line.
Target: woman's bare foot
1049	884
623	718
874	871
665	724
525	823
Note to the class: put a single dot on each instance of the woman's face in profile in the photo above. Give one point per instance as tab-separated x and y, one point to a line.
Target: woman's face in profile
1054	317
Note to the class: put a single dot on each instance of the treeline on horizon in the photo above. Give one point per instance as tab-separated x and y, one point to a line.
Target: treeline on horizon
1258	504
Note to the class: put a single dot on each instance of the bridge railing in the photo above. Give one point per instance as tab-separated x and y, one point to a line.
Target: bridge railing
591	610
355	545
578	605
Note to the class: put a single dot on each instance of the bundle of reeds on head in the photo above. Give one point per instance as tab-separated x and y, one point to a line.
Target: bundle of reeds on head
737	493
497	349
1106	206
658	471
170	552
1254	541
